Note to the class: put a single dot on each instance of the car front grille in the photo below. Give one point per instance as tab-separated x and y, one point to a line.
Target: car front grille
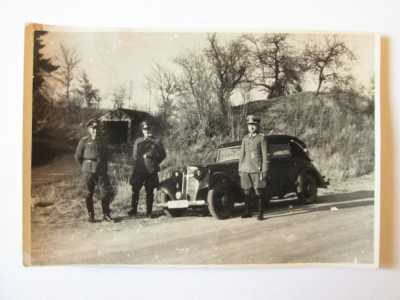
190	184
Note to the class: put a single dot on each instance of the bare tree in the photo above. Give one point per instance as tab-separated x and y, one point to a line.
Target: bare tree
119	95
328	59
195	89
230	64
165	85
67	59
277	69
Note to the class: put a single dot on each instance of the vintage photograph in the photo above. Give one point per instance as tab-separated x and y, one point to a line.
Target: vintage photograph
218	148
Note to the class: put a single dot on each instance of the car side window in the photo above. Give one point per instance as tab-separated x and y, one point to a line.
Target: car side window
279	150
228	153
298	152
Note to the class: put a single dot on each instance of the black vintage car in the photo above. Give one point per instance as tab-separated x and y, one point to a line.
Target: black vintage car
217	184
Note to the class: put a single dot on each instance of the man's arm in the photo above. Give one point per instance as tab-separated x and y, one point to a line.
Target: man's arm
162	154
264	152
135	151
242	153
79	151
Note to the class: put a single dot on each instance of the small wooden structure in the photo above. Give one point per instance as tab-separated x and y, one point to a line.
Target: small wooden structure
122	125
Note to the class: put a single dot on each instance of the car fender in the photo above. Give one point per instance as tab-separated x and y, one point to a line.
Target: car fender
309	169
211	181
168	187
225	177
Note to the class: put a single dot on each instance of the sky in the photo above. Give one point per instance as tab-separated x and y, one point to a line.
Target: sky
112	58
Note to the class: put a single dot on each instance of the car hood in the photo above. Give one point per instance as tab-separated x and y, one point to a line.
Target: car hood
228	164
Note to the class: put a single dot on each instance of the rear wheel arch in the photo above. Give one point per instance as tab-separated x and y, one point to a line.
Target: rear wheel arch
307	188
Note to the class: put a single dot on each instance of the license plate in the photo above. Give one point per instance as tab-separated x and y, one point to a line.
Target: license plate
178	204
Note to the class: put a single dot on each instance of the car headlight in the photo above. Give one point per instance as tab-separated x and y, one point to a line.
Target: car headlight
200	173
178	195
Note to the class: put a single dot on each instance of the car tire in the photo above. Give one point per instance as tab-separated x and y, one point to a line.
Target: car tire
220	201
172	213
309	189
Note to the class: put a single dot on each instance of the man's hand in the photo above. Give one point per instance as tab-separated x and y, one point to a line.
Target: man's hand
147	155
263	175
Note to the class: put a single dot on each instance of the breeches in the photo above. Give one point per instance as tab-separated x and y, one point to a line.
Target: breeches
89	181
252	180
149	180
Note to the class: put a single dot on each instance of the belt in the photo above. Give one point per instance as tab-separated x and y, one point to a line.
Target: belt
92	159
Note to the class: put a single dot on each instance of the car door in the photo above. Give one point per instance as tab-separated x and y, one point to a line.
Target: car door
300	157
282	173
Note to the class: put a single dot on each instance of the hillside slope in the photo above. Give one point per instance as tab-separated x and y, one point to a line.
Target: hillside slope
338	128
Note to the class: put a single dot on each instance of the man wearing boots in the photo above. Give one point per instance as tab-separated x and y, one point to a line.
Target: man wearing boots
148	153
253	165
91	154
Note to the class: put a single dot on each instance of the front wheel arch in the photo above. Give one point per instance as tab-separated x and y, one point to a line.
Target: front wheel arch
220	201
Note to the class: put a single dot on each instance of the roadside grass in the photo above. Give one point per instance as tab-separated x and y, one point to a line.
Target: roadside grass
62	202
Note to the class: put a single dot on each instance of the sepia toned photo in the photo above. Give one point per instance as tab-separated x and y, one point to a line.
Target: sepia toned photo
218	148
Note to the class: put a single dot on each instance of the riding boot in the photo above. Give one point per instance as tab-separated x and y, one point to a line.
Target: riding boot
134	204
90	209
260	208
247	213
149	205
106	210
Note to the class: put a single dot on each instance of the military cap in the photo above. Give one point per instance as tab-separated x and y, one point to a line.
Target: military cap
252	119
92	123
145	125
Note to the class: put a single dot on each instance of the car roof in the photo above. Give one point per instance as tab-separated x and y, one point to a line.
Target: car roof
273	139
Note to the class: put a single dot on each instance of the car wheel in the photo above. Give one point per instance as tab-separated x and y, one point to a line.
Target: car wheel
220	201
308	192
177	212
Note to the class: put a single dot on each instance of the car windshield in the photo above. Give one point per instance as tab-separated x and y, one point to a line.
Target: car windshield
228	153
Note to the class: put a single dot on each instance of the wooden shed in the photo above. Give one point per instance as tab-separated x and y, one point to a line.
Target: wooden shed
122	125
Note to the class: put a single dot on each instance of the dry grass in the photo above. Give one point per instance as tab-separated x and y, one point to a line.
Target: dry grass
62	202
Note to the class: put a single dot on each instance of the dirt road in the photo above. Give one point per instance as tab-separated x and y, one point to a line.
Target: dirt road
338	228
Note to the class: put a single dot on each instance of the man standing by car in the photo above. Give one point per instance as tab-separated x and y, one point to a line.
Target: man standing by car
148	153
91	154
253	165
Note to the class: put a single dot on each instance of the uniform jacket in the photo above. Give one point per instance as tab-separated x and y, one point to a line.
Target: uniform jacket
147	155
253	154
92	155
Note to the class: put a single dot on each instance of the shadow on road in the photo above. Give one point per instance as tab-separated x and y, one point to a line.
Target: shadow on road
281	207
291	205
323	203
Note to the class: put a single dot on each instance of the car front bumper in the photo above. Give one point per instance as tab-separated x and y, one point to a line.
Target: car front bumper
177	204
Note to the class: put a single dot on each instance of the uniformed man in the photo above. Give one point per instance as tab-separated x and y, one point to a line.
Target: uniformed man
253	165
148	153
91	154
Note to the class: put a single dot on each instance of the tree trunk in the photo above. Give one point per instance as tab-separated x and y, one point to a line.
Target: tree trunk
320	80
221	102
319	86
